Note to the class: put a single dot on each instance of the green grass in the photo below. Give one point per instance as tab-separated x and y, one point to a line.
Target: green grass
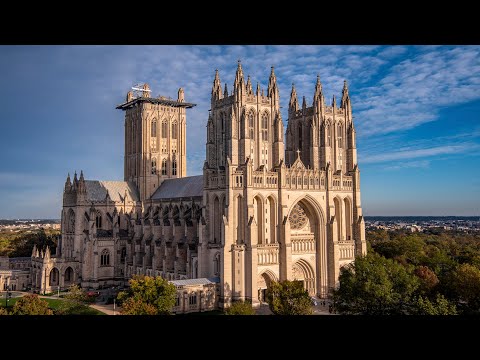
54	304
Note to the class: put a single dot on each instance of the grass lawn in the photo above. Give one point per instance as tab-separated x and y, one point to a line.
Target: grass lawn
54	304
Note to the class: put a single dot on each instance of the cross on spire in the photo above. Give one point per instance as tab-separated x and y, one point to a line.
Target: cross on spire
298	153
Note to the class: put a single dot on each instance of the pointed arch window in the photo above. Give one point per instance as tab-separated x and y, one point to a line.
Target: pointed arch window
105	258
164	167
250	125
216	264
154	166
154	128
98	220
174	166
164	130
329	137
265	127
339	136
174	130
123	256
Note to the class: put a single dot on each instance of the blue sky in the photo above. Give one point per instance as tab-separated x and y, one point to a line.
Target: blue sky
416	109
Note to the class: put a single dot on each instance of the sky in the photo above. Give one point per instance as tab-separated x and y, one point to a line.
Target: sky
416	110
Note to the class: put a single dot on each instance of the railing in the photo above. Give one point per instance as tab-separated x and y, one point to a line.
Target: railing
265	180
302	245
267	254
347	249
305	179
341	182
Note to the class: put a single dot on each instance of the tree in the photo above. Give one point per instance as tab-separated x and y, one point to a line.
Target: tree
74	302
3	311
464	284
148	296
31	304
373	285
440	306
289	298
428	279
240	308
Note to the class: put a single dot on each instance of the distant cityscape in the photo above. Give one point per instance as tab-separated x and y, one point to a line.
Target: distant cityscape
28	225
410	223
423	223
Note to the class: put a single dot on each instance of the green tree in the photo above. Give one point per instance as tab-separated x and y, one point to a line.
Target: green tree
240	308
146	292
74	302
31	304
440	306
289	298
464	284
374	285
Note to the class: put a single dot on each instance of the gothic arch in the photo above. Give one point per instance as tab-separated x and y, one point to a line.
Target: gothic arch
348	216
54	278
264	280
259	205
311	202
238	218
216	220
303	271
70	221
69	276
271	207
337	202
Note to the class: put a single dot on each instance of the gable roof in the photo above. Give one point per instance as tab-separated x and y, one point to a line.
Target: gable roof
97	190
187	187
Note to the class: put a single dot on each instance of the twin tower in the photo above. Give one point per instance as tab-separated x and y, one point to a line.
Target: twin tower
247	125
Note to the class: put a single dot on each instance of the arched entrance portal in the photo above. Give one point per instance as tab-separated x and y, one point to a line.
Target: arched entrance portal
263	283
68	278
302	271
307	236
54	277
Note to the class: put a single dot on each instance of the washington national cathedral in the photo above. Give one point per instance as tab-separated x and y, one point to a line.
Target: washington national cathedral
271	204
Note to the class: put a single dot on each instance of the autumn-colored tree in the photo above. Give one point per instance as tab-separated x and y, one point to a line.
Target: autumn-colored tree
240	308
147	293
428	279
31	304
3	311
289	298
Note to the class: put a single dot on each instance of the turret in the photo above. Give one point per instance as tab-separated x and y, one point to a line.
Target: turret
273	88
249	86
146	91
225	92
81	183
318	99
75	182
68	184
304	105
181	95
239	84
216	88
293	105
346	104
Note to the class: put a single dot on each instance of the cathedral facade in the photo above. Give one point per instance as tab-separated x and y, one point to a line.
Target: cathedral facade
271	204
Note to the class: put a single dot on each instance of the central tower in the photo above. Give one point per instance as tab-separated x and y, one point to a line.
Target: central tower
155	139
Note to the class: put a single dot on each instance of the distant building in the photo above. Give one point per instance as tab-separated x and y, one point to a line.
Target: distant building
266	208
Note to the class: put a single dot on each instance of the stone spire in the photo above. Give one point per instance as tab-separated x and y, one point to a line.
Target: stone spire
334	102
81	183
304	104
75	181
318	89
345	96
225	92
258	89
272	86
249	86
68	183
217	87
239	83
293	105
